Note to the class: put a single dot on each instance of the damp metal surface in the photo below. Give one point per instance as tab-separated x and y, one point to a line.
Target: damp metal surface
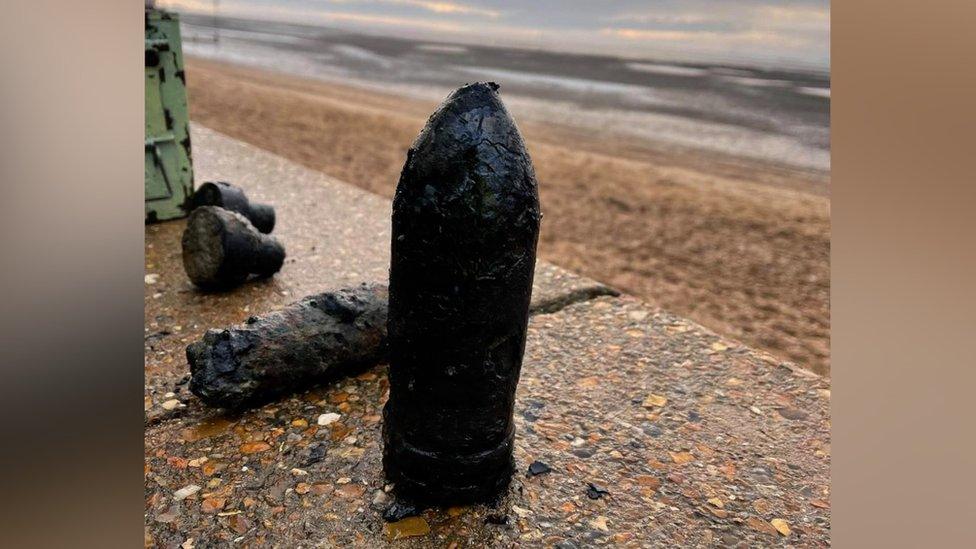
221	249
231	197
465	226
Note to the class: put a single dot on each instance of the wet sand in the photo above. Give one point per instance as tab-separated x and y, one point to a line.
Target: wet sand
741	246
775	115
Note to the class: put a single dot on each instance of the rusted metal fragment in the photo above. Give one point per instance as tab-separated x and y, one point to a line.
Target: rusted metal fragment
222	249
231	197
371	344
317	339
465	227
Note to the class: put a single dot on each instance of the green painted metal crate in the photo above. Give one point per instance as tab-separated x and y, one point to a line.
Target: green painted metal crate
169	168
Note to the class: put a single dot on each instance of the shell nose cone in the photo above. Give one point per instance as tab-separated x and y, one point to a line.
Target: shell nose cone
470	113
471	126
477	91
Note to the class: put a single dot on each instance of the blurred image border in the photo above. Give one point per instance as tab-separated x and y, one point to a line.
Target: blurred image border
902	257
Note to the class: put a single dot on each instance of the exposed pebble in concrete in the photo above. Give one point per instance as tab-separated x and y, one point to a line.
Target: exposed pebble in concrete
328	419
185	492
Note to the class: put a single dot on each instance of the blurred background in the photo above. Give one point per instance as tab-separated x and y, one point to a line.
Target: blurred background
682	147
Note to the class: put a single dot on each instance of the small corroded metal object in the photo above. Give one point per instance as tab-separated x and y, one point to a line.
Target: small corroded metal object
230	197
222	249
465	227
320	338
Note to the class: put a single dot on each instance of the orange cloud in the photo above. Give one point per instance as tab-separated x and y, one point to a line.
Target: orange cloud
450	7
430	5
746	37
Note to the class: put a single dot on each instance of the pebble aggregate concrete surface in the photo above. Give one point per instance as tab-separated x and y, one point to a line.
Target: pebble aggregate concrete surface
657	431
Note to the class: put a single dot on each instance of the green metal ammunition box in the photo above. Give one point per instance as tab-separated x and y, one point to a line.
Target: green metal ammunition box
169	169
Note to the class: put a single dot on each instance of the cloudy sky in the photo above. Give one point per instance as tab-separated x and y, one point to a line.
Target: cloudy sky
793	33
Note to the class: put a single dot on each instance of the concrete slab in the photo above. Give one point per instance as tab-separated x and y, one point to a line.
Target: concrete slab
699	441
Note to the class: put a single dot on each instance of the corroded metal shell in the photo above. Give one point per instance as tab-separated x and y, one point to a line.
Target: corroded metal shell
465	227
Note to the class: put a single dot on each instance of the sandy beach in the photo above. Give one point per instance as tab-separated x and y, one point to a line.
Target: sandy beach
739	245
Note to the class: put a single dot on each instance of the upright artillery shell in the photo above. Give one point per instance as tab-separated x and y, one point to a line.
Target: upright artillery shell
465	227
221	249
231	197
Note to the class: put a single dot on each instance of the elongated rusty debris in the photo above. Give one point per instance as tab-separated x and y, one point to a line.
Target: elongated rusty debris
320	338
298	339
465	226
231	197
222	249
